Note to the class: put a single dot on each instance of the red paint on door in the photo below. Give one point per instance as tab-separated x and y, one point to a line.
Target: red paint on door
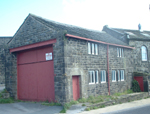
140	81
35	75
76	87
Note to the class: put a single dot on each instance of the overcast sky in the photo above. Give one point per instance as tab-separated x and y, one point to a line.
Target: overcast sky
91	14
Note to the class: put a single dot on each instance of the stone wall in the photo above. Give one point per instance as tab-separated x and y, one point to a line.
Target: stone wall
3	44
79	62
32	32
139	65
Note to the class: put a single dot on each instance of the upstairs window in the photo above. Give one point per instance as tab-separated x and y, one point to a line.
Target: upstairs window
144	53
92	48
120	52
103	76
113	76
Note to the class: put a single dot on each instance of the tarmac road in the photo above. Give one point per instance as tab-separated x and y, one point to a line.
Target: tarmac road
28	108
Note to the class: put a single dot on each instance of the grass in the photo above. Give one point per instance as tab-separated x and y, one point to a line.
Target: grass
68	105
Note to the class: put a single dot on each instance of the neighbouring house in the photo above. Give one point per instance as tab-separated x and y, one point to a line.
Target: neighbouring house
136	38
3	45
47	60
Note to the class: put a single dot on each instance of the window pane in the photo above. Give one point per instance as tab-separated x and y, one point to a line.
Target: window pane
117	52
96	76
96	49
144	53
89	48
122	53
92	48
118	75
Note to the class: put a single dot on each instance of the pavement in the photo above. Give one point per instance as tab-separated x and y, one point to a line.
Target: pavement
118	107
28	108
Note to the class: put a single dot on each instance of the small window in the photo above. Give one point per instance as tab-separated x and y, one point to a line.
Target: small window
89	48
96	49
118	75
103	76
122	75
144	53
113	76
120	52
93	48
96	76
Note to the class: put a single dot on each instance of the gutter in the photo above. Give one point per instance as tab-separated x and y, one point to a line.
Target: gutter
108	69
87	39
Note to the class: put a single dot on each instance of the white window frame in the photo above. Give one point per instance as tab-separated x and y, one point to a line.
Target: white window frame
96	76
92	74
89	48
122	75
93	48
118	75
103	76
120	52
96	49
144	53
113	76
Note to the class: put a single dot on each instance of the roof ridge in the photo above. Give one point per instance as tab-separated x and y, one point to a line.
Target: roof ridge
64	24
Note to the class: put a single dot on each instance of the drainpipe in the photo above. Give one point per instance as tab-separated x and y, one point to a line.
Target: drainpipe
108	69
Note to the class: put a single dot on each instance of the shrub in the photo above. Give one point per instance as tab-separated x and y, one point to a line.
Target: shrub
135	86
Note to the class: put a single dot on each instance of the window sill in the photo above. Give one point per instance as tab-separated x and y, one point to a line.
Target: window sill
103	82
122	80
91	83
114	81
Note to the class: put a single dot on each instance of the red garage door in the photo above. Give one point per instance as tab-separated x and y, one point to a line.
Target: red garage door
36	74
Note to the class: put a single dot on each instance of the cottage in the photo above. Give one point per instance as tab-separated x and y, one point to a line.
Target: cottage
140	40
47	60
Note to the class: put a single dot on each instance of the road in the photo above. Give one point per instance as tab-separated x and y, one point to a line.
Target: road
134	107
136	110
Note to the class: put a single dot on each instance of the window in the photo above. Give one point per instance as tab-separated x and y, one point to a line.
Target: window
144	53
89	48
120	52
118	75
122	75
92	48
96	76
96	49
113	76
93	77
103	76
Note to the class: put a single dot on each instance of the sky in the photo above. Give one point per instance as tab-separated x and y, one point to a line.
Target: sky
90	14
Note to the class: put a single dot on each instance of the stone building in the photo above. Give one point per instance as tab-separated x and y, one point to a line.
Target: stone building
3	45
136	38
47	60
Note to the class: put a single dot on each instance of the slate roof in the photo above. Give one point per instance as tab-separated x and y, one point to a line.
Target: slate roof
5	40
134	34
78	31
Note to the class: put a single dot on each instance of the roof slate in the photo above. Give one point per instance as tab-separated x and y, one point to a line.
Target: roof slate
78	31
134	33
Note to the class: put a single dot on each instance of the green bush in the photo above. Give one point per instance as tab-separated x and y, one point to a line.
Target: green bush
135	86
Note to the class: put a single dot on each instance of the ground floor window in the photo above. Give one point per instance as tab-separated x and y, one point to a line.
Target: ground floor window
93	77
113	76
103	76
122	75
